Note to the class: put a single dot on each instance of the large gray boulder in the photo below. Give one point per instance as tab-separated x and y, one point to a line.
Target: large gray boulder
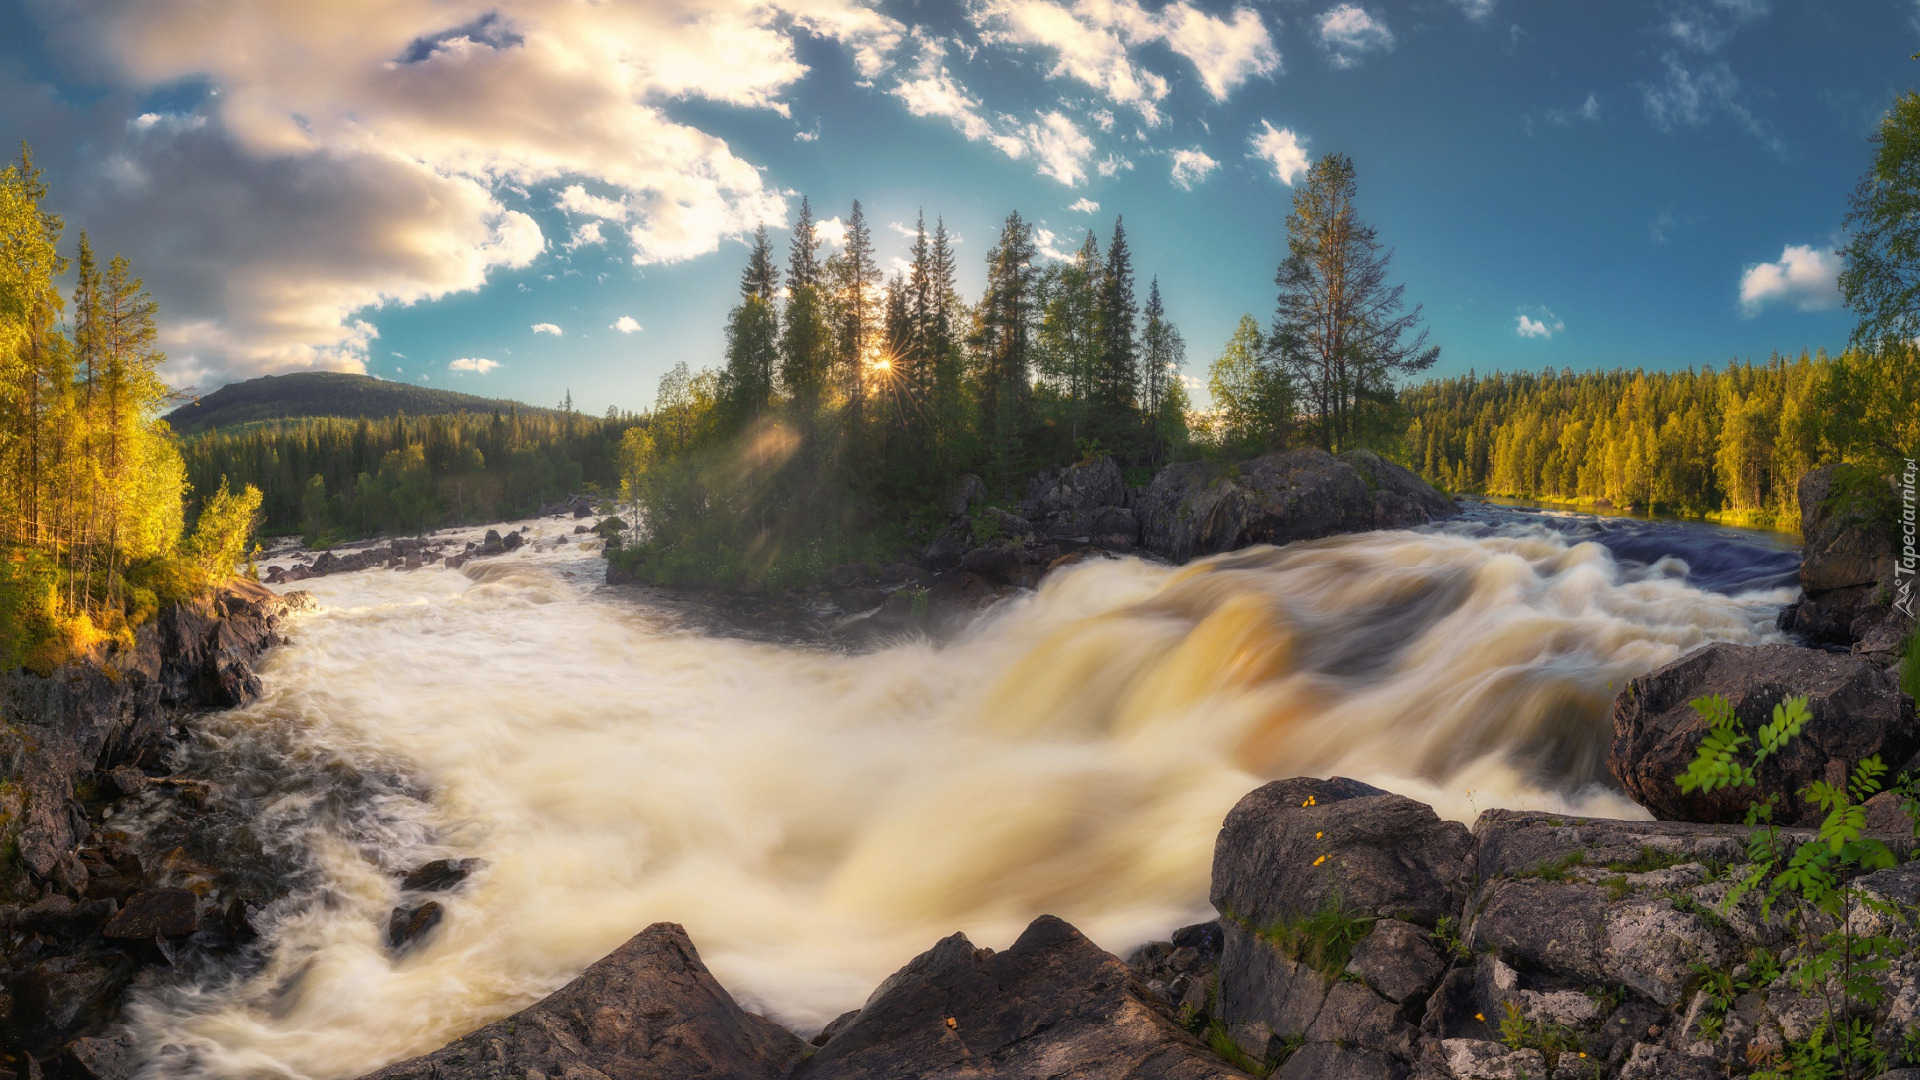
1857	710
1294	845
1846	561
1200	508
1082	502
649	1009
1054	1004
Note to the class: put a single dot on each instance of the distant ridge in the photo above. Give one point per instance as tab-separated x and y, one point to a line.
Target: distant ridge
324	393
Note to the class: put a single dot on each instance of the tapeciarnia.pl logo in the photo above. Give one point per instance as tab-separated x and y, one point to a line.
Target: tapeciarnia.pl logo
1903	567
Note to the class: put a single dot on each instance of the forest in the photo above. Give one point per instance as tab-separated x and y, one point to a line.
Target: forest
93	529
330	478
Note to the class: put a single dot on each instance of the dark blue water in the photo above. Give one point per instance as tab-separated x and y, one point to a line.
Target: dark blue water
1716	558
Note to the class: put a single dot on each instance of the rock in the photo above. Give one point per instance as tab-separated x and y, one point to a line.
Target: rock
64	992
1527	842
958	595
1477	1059
1001	560
408	925
513	542
1329	1061
1398	961
492	544
1200	508
1085	501
1651	946
950	546
1653	1062
1288	847
1265	996
1401	499
166	912
1845	558
846	577
1857	711
107	1057
1557	927
966	493
648	1011
834	1027
1052	1005
581	530
440	874
127	780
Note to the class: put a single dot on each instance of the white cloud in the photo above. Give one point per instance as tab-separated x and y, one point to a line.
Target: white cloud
626	324
476	364
831	232
933	91
1588	111
575	200
1047	243
1691	99
1804	276
1477	10
1348	33
548	328
1281	149
1113	165
1059	146
585	235
346	162
1545	326
1191	167
1084	206
1092	43
1706	29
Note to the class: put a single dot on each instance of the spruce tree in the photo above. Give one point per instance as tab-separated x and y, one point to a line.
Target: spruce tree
804	333
1116	376
1006	331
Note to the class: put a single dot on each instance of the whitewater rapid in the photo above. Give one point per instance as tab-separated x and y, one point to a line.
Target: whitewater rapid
816	819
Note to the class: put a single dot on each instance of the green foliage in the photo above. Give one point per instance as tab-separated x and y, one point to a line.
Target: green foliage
1732	441
1552	1040
336	394
218	547
1322	939
1910	666
1814	880
1446	933
1222	1044
333	479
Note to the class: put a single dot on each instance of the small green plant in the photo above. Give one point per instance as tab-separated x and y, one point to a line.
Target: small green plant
1650	859
1446	932
1323	939
1223	1045
1815	880
1552	1040
1910	666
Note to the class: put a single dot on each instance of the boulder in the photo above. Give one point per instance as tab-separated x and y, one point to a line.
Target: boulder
1200	508
1294	845
107	1057
1085	501
648	1011
492	544
1857	711
1052	1005
966	493
440	874
1401	499
407	925
1847	557
156	912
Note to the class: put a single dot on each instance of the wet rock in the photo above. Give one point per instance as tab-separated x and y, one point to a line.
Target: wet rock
958	595
408	925
166	912
1053	1004
1083	502
64	992
648	1011
1288	847
1001	560
440	874
1857	711
106	1057
127	780
513	542
492	544
950	546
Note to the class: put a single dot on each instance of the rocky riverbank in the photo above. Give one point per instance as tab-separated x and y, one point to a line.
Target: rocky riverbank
985	552
87	912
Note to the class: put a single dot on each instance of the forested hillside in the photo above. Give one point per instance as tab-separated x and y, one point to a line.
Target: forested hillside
330	479
1731	441
323	393
92	514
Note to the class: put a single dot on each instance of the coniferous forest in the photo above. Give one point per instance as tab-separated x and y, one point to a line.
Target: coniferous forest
93	490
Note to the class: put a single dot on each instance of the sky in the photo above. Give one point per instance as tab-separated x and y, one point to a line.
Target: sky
534	197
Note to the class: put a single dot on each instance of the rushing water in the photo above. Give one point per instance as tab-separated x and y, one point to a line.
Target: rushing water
816	819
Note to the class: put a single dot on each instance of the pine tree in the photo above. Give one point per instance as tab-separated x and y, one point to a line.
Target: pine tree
761	278
1116	377
1337	324
1005	337
804	331
1070	342
855	280
1163	353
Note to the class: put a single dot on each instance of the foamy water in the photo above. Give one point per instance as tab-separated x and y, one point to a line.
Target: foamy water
815	820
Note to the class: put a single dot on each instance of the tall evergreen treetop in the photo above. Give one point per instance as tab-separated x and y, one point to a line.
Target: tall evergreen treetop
762	277
803	263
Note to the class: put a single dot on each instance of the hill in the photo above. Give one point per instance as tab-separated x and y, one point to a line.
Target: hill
325	393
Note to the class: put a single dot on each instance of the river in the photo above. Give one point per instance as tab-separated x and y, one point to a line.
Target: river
815	819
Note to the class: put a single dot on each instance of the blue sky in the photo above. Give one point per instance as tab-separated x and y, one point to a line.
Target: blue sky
410	188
